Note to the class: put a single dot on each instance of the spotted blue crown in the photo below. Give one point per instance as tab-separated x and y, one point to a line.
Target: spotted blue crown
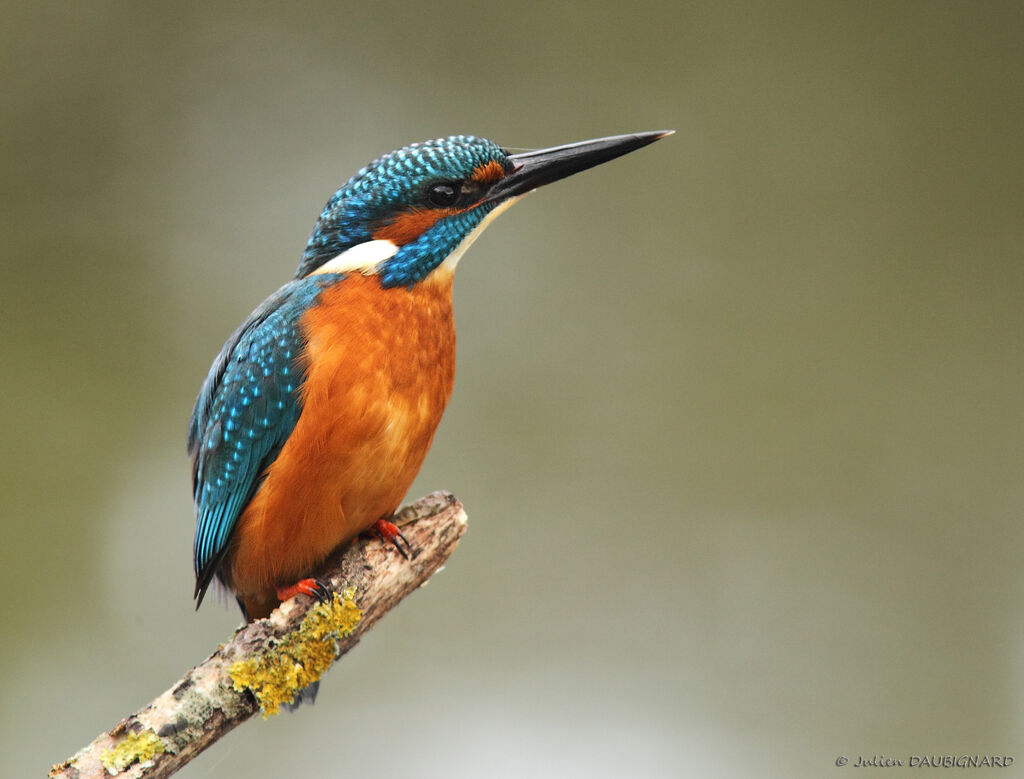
395	183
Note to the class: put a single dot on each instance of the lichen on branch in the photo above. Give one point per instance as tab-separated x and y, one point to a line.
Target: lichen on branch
301	658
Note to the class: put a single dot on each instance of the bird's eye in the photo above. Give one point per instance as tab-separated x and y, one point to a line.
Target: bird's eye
443	195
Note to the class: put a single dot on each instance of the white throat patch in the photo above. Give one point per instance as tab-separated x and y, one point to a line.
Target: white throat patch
453	259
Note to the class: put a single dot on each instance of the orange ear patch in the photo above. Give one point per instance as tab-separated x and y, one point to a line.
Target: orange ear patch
407	226
488	173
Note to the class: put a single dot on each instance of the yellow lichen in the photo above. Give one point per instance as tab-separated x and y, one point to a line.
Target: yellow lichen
133	748
300	658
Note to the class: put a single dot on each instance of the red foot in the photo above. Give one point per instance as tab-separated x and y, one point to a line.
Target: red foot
313	587
389	533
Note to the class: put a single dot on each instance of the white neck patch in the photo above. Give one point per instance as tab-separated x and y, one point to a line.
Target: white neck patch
363	257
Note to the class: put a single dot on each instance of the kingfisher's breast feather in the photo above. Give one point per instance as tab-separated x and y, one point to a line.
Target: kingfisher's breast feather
246	409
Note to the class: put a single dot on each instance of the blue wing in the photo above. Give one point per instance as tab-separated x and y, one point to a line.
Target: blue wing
245	411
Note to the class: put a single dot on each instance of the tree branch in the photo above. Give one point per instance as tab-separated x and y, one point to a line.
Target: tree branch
268	661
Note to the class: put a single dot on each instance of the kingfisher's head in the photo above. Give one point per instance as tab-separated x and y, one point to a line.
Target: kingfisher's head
414	209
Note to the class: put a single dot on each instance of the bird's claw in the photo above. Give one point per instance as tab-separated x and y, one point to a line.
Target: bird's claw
388	532
315	588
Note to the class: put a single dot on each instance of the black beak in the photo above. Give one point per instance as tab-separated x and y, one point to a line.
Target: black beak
536	168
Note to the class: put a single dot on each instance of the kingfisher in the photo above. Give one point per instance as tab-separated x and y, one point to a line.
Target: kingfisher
319	409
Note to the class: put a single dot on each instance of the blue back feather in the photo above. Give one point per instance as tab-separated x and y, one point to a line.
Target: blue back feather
246	409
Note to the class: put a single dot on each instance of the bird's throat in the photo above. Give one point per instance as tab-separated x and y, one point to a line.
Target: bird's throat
448	266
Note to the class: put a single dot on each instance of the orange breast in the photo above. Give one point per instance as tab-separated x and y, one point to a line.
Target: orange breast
381	364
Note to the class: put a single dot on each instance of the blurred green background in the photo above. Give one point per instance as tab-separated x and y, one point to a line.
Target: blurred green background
738	417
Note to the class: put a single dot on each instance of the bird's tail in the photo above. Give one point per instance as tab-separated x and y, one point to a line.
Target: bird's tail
307	695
